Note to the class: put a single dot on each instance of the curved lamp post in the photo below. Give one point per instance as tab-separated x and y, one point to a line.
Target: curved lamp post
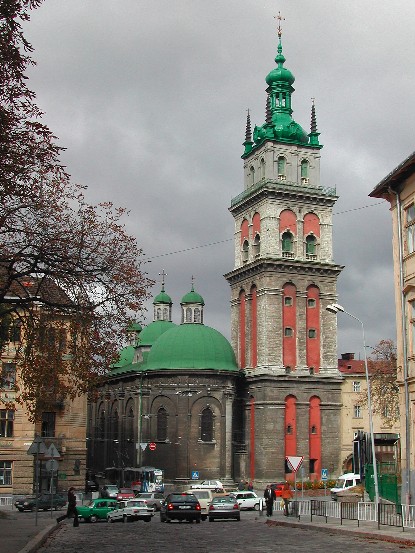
336	308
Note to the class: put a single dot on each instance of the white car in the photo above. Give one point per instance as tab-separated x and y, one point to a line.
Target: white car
133	509
247	500
209	485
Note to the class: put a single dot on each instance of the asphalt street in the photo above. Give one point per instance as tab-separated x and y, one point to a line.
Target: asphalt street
251	534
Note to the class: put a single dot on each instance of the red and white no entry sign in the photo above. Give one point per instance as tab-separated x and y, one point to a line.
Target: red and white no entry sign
152	446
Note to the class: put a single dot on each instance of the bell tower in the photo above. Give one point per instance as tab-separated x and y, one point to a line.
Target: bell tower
284	276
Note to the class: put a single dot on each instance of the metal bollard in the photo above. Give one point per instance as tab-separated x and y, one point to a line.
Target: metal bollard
261	507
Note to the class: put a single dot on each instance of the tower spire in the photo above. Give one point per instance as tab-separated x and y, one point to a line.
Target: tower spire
248	134
314	134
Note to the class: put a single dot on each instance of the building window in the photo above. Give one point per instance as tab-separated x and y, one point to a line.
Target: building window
252	170
288	332
310	245
287	242
262	168
312	466
48	424
162	425
8	376
357	411
197	318
101	425
16	331
289	429
257	245
206	425
158	317
313	431
311	302
6	423
245	249
281	168
304	169
312	333
356	386
410	228
288	301
412	310
188	315
6	473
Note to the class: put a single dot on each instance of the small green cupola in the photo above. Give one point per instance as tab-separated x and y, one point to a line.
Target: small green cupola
192	307
162	303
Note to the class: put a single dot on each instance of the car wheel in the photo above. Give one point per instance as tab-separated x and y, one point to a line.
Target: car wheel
168	519
92	518
162	518
211	519
256	506
238	519
147	519
124	518
197	521
190	520
204	517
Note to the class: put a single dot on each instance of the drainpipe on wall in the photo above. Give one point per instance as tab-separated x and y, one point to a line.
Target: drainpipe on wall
404	351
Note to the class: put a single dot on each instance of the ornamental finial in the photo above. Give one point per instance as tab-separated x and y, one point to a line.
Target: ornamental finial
162	274
280	18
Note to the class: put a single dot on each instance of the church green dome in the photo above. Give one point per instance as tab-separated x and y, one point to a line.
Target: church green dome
135	327
153	331
125	358
280	74
193	297
192	346
162	298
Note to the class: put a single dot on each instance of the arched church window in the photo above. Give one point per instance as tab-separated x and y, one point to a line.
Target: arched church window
245	251
252	173
257	245
206	425
262	165
114	425
197	315
288	301
162	424
158	314
304	171
310	245
101	424
287	242
129	431
188	315
282	168
165	314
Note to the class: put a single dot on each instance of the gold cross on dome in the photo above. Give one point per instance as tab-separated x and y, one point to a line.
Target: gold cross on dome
280	18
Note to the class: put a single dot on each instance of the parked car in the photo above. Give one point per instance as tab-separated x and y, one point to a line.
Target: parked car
343	483
45	501
247	500
224	507
153	499
208	484
125	493
133	509
205	497
181	506
110	491
97	509
277	488
91	486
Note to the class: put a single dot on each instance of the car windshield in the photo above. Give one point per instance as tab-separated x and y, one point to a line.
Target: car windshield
183	497
339	483
126	490
145	495
136	504
224	499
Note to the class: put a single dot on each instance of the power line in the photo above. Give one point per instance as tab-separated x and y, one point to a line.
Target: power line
148	259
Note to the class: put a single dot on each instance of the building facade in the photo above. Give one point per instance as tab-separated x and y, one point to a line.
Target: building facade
63	426
398	188
283	277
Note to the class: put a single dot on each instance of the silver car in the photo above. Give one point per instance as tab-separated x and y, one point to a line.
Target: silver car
153	499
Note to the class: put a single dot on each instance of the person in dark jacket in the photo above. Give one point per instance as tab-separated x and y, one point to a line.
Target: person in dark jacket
72	510
269	500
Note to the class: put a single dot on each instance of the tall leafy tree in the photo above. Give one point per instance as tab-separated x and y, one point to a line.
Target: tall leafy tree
68	269
383	373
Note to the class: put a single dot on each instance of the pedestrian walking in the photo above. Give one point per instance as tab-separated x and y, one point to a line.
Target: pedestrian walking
72	511
286	495
269	500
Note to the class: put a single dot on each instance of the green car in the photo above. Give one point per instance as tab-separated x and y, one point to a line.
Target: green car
97	509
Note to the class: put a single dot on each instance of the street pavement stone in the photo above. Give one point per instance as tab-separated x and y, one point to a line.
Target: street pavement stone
253	534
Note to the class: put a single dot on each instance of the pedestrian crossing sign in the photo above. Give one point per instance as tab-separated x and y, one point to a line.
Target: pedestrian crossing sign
324	474
195	474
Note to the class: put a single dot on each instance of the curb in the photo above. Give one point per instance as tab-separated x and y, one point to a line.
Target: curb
336	530
39	539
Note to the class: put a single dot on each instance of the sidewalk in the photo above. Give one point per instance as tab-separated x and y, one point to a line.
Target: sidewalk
369	530
18	531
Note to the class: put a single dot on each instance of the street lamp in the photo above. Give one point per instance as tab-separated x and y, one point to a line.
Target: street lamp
336	308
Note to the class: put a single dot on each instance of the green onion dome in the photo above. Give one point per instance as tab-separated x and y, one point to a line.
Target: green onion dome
192	346
280	74
192	297
125	357
162	298
135	327
153	331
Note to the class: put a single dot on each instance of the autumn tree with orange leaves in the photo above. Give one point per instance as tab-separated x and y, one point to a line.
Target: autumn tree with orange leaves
71	277
382	367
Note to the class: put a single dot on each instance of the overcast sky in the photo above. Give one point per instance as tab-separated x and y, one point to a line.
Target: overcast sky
149	97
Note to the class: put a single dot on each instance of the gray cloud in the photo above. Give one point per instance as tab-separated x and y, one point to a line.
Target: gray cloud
150	99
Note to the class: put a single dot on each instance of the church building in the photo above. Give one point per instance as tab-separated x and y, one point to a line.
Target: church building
238	410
